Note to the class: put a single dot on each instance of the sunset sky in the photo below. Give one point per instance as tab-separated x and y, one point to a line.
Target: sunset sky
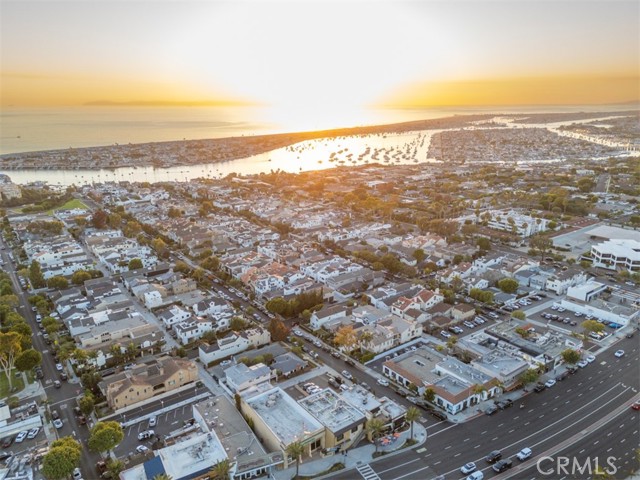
323	55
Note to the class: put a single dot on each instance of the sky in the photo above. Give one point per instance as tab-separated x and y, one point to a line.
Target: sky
331	55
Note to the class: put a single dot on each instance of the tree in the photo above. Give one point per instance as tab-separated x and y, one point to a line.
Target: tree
484	244
346	337
541	244
411	416
519	314
592	326
28	359
508	285
220	470
181	267
135	264
158	245
278	330
295	451
365	338
99	219
35	275
211	263
429	395
105	436
419	255
60	461
570	356
10	349
58	283
529	376
79	277
237	324
87	403
374	428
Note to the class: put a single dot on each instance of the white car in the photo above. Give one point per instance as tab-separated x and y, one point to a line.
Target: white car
445	334
77	473
59	367
524	454
142	449
383	381
347	375
58	423
468	468
550	383
619	353
582	363
21	436
591	358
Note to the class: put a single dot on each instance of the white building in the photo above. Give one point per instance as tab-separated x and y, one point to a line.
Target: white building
617	254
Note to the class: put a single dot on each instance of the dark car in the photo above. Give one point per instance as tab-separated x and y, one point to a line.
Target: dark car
502	465
63	376
494	456
491	410
504	404
630	334
350	362
572	370
539	387
5	455
437	414
7	442
562	376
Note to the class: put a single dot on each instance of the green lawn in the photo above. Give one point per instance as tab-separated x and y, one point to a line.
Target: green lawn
17	383
70	205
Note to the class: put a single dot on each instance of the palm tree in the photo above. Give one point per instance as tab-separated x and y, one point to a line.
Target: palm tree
163	476
220	470
295	450
375	427
411	416
365	338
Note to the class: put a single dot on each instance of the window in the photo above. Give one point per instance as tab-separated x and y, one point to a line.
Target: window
316	444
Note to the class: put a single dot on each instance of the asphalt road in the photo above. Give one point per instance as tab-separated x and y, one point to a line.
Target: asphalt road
551	417
62	399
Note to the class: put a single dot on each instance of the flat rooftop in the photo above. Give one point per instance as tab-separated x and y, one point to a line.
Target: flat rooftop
333	411
231	428
191	455
283	416
419	365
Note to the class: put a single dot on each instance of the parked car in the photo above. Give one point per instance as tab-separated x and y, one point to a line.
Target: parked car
33	433
550	383
59	367
502	404
491	410
146	434
7	442
539	387
347	375
77	474
58	423
383	381
142	449
445	334
590	358
582	363
57	384
21	436
153	421
562	376
572	370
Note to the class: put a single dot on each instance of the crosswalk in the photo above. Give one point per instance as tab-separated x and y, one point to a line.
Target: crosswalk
367	472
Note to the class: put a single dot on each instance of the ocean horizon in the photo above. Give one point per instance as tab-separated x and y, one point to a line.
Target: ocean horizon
41	129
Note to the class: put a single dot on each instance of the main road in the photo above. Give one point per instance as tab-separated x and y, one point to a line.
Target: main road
564	413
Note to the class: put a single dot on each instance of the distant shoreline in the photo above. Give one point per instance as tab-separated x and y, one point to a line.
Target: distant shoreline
166	154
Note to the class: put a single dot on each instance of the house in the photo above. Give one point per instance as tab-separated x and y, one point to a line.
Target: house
561	281
324	315
463	311
233	343
210	305
173	315
239	377
287	364
146	380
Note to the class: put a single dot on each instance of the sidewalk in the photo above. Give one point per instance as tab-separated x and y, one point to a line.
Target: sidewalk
354	458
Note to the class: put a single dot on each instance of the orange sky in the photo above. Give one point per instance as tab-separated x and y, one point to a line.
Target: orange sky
329	56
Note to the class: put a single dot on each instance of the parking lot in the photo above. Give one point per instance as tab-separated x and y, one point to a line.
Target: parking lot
166	424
